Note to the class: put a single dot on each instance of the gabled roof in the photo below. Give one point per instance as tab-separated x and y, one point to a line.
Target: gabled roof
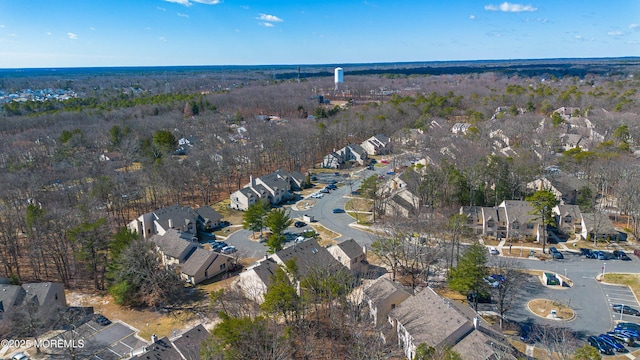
402	202
160	350
598	222
430	319
190	342
297	177
475	346
274	181
382	138
199	258
265	270
518	210
308	254
207	213
247	192
350	248
356	148
568	210
179	216
174	245
39	291
382	289
11	295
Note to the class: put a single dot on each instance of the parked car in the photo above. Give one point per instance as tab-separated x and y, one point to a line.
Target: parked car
621	255
299	224
557	255
629	340
228	249
619	308
355	192
613	343
491	282
338	211
628	326
331	187
628	333
300	239
636	252
324	191
481	298
19	356
600	345
525	334
601	255
552	249
317	196
498	277
493	251
218	246
102	320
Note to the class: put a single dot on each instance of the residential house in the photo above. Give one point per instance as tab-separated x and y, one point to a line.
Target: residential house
566	188
275	187
205	264
572	141
598	225
426	318
46	295
510	219
350	254
460	128
402	194
308	255
568	218
377	145
383	296
174	247
110	156
185	346
181	218
351	152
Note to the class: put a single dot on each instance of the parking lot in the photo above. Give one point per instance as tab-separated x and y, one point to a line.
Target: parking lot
617	294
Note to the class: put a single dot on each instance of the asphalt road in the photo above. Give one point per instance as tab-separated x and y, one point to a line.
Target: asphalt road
590	299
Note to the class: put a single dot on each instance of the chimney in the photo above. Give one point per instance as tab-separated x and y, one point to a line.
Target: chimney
252	182
154	338
364	250
170	223
476	322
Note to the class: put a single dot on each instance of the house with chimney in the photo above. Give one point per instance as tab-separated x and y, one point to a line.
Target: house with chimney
337	159
382	296
184	253
351	255
377	145
275	187
180	218
309	256
427	318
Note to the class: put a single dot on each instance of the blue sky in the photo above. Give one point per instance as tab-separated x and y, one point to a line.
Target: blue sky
78	33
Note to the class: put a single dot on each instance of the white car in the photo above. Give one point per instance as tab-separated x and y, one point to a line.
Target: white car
19	356
228	249
300	239
493	251
317	195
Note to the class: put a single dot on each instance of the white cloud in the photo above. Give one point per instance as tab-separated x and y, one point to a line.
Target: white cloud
266	24
183	15
72	36
578	37
1	26
634	26
161	38
269	18
48	33
246	7
161	8
472	17
189	3
92	28
615	33
508	7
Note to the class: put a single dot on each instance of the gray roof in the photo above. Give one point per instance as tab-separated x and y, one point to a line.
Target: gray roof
40	291
190	342
402	202
11	295
520	211
207	213
260	190
198	259
160	350
308	254
275	181
599	222
179	216
351	248
430	319
382	289
265	270
297	177
475	346
174	245
356	148
247	192
571	210
383	138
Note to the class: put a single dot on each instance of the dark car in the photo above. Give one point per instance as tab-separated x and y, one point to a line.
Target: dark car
629	340
628	333
338	211
628	325
525	334
498	277
324	191
299	224
552	249
619	308
557	255
600	345
621	255
481	298
102	320
331	186
613	343
601	255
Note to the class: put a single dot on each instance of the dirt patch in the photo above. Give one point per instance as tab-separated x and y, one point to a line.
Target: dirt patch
146	321
545	308
324	233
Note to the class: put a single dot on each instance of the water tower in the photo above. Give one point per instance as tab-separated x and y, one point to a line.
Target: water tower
338	76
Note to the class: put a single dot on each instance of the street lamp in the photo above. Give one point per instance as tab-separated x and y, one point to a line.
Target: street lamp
604	269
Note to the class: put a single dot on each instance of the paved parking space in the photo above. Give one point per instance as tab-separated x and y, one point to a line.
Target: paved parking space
617	294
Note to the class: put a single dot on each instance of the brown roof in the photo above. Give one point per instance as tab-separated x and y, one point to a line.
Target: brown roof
382	289
200	258
351	248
